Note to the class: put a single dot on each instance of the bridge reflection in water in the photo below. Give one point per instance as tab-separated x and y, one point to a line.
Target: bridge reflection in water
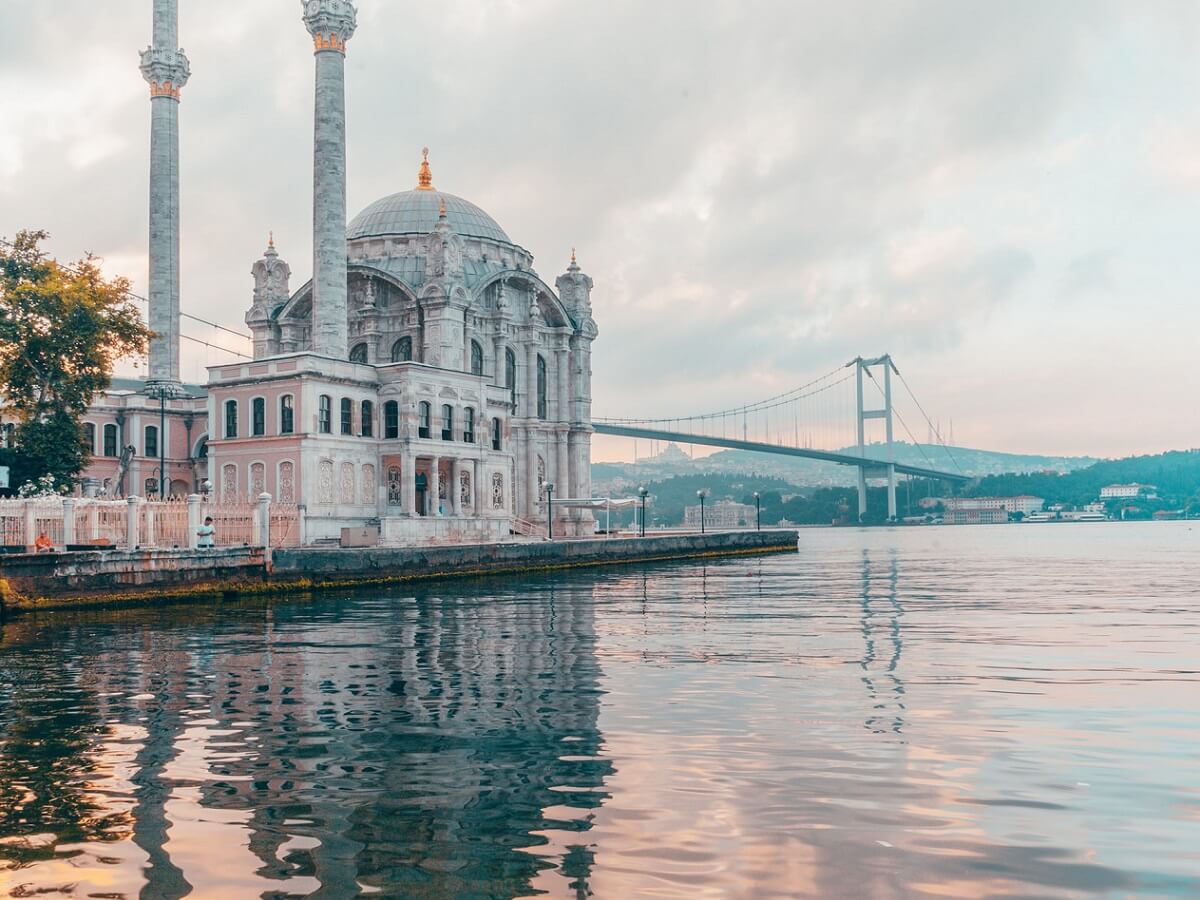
419	745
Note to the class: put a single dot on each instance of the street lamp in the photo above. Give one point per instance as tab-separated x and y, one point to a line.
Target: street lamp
757	512
702	493
642	492
550	509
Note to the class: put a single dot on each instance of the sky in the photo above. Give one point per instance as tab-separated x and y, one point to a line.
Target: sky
1004	195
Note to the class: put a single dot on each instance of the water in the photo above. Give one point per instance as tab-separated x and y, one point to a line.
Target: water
924	712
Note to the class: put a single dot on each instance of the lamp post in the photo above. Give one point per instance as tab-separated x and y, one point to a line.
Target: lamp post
702	493
757	511
550	509
642	492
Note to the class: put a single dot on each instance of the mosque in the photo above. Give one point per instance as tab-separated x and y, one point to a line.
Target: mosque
426	379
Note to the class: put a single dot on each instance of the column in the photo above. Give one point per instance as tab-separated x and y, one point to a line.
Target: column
562	378
563	483
455	491
408	484
532	491
331	23
530	410
166	69
435	485
193	520
477	508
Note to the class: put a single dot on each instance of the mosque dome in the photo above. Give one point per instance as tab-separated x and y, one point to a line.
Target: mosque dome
417	211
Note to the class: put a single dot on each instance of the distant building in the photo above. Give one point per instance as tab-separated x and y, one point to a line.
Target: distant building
976	516
1122	491
1024	504
722	514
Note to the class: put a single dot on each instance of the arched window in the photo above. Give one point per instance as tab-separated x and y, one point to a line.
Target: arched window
496	443
423	414
447	422
151	441
391	420
258	417
541	388
510	375
359	353
402	350
231	419
347	416
367	415
110	440
89	436
469	425
325	414
287	414
476	358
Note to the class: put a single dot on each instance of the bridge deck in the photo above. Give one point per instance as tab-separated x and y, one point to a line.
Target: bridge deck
843	459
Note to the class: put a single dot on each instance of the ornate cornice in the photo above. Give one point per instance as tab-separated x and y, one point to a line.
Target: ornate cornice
330	22
166	70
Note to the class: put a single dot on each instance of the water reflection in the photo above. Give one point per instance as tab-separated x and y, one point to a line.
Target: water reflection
881	624
910	712
420	745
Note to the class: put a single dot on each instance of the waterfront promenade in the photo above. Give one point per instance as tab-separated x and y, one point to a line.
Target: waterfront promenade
119	577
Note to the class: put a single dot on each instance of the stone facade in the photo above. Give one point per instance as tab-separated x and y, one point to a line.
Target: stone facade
426	377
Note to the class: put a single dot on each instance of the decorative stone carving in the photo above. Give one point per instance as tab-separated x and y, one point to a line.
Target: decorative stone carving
229	482
497	491
395	485
368	485
325	482
258	479
464	490
347	483
330	22
287	483
166	69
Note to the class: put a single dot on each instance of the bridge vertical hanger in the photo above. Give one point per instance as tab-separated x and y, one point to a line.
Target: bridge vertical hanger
863	368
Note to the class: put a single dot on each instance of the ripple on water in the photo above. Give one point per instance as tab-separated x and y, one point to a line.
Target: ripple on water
949	712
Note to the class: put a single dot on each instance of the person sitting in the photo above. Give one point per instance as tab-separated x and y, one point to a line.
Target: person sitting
205	532
43	544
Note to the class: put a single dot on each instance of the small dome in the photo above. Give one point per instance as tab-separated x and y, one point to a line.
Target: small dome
416	212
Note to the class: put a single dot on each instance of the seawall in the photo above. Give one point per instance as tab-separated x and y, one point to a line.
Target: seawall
112	578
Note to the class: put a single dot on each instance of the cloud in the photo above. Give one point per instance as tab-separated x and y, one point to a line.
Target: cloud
760	189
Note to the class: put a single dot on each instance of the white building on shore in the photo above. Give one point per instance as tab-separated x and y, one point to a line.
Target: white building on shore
426	377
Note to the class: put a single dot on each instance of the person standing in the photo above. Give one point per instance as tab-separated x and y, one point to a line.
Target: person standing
206	533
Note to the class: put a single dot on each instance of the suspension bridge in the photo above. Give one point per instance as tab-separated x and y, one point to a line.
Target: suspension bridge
825	419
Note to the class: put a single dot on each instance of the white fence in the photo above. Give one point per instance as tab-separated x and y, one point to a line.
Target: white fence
81	523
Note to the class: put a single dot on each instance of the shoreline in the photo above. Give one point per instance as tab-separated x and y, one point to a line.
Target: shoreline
113	579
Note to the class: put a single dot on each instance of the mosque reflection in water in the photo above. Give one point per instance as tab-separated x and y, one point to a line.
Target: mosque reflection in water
416	744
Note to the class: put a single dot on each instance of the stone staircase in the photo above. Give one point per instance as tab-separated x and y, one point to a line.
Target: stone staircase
525	528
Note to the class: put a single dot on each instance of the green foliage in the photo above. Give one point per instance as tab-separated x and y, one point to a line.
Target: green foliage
1176	475
62	329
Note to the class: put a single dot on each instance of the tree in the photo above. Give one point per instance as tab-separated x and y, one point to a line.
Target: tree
62	329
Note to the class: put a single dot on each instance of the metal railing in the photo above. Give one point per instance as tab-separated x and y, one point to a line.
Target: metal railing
78	523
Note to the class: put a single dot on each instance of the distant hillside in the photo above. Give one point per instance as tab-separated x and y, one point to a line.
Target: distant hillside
810	473
1175	475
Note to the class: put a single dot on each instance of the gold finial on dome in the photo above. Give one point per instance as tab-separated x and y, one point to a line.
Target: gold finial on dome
572	256
271	240
425	175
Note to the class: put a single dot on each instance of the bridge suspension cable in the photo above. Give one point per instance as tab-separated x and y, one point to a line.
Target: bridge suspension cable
761	406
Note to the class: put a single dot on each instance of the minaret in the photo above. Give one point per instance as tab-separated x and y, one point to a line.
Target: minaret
166	68
331	23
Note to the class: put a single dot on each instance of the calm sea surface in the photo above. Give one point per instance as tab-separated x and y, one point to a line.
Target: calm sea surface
922	712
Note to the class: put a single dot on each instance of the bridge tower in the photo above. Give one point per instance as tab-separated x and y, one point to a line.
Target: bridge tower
863	370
